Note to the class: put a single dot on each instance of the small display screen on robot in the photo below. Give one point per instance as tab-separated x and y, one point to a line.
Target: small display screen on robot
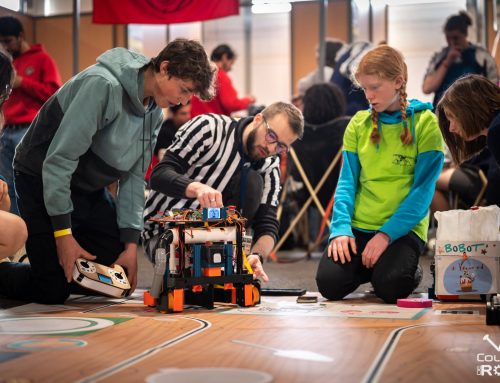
213	213
105	278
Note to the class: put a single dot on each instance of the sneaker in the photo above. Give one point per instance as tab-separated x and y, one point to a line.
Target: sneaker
419	274
431	245
19	256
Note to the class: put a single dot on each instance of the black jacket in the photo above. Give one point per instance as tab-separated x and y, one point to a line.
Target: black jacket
316	151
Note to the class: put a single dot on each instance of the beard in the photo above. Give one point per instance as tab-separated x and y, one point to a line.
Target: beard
252	150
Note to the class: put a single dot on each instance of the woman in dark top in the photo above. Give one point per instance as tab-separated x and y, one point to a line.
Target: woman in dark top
469	118
458	58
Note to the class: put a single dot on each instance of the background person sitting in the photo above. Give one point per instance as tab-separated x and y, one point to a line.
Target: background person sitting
324	125
226	100
460	57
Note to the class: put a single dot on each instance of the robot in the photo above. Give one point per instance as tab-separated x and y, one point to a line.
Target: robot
200	260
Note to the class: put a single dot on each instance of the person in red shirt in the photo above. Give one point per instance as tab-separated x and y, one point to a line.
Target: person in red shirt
37	78
226	100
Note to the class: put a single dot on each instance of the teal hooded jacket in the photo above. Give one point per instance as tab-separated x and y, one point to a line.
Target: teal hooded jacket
93	131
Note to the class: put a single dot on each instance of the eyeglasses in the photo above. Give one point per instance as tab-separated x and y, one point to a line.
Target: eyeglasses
272	138
5	94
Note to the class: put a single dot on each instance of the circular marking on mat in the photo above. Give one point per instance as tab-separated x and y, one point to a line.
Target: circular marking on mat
209	375
47	344
51	325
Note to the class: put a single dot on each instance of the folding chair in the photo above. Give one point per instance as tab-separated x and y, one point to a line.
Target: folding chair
320	236
313	197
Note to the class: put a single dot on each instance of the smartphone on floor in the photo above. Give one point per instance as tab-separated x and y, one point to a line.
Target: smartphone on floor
282	292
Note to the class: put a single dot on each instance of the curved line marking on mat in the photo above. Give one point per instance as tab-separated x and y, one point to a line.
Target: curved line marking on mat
85	324
106	305
147	353
377	367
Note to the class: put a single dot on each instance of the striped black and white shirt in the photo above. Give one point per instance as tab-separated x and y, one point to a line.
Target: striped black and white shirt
207	149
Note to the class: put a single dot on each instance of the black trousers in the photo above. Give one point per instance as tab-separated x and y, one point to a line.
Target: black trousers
94	227
252	194
392	277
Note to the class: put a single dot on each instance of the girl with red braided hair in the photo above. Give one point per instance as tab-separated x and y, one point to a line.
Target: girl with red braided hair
393	154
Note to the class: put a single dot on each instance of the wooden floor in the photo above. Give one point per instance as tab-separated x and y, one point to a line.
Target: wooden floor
123	341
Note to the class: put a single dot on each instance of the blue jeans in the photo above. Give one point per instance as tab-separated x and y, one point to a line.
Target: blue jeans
9	138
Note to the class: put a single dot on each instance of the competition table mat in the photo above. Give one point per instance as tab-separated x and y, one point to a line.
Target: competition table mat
360	339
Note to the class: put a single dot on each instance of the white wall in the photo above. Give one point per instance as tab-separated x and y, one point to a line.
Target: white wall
192	31
147	39
271	57
360	20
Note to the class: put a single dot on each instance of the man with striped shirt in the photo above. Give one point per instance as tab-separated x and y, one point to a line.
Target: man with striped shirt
217	161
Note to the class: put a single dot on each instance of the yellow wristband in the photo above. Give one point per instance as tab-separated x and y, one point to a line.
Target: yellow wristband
62	233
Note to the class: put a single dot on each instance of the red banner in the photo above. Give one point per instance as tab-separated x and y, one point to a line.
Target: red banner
161	11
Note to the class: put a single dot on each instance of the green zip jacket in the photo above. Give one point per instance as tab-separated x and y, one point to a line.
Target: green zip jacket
94	131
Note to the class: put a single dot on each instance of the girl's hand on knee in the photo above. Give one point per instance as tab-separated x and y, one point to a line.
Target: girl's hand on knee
374	249
338	249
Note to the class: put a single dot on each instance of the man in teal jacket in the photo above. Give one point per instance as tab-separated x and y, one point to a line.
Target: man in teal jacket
99	128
